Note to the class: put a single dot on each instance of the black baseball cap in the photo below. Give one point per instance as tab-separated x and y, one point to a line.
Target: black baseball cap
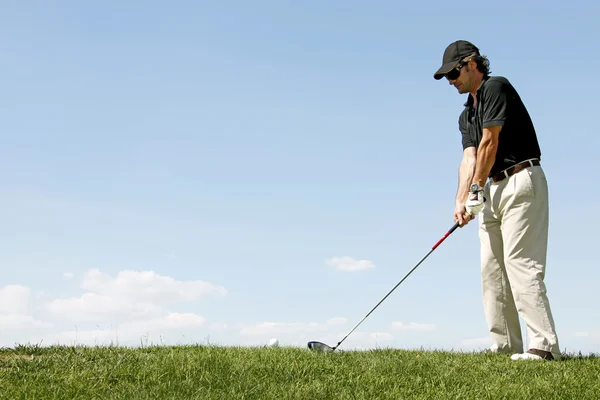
453	54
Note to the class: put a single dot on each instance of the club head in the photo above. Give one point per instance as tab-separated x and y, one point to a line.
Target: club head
320	347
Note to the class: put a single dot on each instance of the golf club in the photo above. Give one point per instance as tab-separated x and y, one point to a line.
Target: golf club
322	347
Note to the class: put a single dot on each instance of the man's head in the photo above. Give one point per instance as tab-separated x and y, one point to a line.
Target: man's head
463	66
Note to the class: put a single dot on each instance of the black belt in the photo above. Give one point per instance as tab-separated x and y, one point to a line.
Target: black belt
514	169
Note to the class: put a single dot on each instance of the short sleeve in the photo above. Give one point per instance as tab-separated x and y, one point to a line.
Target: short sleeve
467	140
495	103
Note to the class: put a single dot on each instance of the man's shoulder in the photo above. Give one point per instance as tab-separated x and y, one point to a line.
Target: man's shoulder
497	83
498	78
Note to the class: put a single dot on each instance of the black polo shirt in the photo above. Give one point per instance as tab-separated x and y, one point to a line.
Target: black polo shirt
498	103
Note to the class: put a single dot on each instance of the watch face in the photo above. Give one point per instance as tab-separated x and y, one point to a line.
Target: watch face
474	187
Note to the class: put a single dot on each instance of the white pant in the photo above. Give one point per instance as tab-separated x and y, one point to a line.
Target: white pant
513	230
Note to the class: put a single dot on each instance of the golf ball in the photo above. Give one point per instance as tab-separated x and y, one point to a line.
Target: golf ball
274	342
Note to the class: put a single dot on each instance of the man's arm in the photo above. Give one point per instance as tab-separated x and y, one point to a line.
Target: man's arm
495	104
466	172
486	155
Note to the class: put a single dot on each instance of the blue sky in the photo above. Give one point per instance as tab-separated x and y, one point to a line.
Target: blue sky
192	172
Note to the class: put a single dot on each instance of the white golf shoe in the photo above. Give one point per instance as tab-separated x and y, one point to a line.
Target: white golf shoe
533	354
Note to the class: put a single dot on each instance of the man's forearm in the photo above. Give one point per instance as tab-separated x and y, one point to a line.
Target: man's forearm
466	174
486	156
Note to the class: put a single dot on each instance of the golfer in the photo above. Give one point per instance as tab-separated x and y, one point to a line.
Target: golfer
501	178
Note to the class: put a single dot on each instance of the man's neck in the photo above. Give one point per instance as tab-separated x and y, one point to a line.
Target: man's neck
478	80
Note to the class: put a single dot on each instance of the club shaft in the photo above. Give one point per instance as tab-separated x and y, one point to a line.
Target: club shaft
402	280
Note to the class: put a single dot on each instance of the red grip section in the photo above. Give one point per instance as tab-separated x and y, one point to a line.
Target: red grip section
440	241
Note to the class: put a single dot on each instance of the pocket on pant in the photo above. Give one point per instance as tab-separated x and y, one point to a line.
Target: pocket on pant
524	183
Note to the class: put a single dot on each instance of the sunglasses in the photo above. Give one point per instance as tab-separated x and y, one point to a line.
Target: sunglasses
455	72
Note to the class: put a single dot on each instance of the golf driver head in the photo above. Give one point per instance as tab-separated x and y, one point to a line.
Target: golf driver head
320	347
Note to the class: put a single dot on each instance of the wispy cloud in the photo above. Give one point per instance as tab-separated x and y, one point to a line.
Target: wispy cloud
20	321
349	264
412	326
381	336
271	328
134	331
14	299
68	275
219	326
477	342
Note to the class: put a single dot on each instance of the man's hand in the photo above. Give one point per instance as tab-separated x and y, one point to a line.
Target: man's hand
475	200
461	216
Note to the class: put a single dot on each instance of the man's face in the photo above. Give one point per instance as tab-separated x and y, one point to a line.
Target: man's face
462	82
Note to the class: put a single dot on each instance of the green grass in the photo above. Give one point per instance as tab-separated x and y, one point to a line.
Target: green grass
211	372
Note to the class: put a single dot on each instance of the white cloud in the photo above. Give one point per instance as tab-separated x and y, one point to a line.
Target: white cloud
582	334
148	285
272	328
119	308
92	306
130	295
20	321
218	326
14	307
349	264
134	332
170	321
412	326
381	336
123	308
14	299
68	275
477	342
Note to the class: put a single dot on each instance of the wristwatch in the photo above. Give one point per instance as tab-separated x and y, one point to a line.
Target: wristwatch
476	188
